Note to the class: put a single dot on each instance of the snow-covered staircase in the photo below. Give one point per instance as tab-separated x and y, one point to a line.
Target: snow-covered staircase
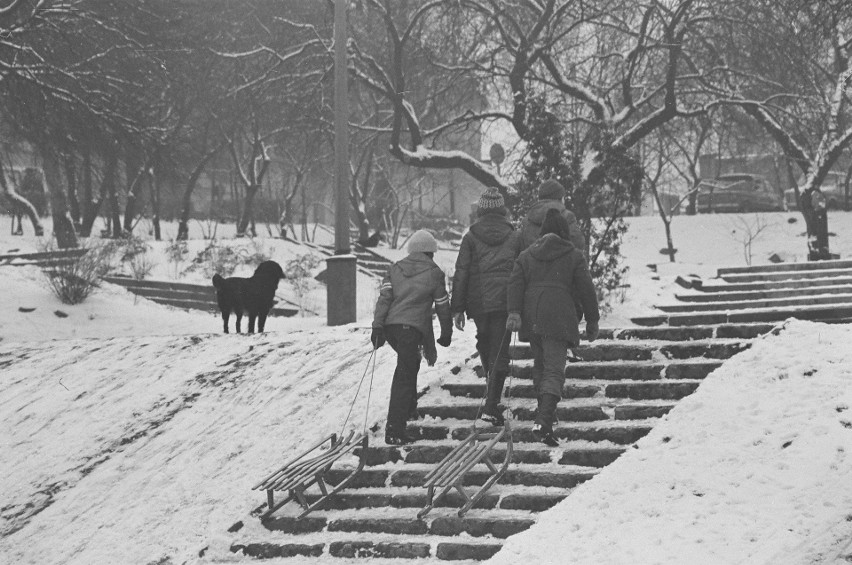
811	290
613	396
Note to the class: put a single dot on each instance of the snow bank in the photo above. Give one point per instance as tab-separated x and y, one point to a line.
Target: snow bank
755	467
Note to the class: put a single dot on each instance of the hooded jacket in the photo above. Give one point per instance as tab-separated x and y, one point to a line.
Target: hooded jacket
485	261
547	279
406	296
532	223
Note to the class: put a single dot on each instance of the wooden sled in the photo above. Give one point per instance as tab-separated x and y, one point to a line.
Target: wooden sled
310	468
450	472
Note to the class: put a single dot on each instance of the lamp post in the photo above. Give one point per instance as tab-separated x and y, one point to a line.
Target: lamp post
341	282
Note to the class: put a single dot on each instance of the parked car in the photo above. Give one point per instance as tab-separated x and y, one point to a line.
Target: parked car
737	193
832	188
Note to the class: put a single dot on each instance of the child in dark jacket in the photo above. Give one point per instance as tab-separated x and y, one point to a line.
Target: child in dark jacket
547	279
403	318
485	260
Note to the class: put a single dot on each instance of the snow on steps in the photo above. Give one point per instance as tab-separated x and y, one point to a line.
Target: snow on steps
613	397
813	290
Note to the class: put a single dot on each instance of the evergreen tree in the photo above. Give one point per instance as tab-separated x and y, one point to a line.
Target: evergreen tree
600	203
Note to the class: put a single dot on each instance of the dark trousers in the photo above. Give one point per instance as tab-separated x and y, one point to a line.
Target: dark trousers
492	343
405	340
549	358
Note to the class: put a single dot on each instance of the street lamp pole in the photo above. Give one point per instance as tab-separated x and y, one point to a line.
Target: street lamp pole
341	280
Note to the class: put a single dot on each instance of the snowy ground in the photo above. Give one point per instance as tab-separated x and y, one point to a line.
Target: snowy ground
112	455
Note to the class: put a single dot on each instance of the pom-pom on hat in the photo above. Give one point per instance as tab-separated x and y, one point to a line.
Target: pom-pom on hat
491	199
551	190
422	241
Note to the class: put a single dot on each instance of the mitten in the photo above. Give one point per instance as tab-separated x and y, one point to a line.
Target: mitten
458	320
377	338
513	322
592	330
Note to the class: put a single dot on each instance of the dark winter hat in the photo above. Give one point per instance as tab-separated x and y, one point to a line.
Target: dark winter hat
554	222
551	190
491	199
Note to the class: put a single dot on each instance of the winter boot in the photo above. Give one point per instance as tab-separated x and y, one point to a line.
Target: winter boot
397	437
543	428
492	415
545	435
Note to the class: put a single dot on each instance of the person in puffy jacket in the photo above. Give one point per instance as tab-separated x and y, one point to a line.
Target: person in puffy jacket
403	318
547	279
550	195
486	257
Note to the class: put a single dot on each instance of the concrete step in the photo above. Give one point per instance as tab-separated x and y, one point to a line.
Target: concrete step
636	390
498	524
689	368
768	294
614	350
207	295
370	546
811	300
783	267
42	258
535	454
774	285
787	275
821	313
578	410
128	282
689	333
505	497
559	476
616	431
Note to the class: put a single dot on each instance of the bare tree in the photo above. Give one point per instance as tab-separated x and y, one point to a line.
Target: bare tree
787	66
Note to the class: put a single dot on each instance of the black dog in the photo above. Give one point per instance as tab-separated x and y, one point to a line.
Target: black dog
253	296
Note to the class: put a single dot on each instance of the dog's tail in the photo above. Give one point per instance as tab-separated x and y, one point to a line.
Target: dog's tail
218	281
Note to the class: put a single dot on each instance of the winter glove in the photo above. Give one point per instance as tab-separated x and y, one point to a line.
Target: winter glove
592	330
446	335
458	320
377	338
513	322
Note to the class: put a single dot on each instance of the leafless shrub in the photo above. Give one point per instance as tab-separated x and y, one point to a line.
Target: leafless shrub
73	280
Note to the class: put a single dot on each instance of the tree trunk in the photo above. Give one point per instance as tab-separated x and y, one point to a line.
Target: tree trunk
154	179
73	201
20	206
63	226
186	204
94	206
246	215
87	202
134	172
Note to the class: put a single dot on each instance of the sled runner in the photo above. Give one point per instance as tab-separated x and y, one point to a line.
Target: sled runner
310	468
450	472
475	449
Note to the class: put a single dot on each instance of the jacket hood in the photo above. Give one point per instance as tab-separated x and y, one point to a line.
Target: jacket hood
549	247
540	208
492	229
415	264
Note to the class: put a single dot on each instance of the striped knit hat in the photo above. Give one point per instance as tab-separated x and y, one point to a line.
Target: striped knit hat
491	199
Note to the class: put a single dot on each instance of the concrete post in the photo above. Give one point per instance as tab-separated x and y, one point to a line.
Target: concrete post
341	281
